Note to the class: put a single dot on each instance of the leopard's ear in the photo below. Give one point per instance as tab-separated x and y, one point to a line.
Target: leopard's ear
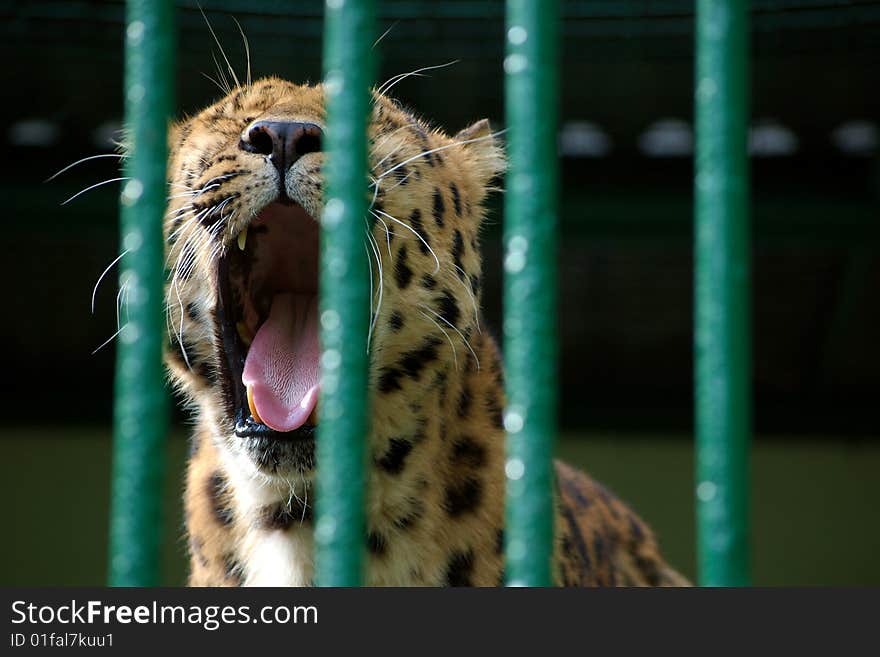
484	150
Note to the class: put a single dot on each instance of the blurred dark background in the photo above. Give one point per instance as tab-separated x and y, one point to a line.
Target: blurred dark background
625	262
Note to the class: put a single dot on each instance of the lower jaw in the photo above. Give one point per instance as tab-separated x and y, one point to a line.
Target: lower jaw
291	453
275	452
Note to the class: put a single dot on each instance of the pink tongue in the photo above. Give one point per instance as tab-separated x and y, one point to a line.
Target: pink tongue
282	364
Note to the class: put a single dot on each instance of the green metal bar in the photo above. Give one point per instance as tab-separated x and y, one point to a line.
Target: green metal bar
345	295
722	314
530	226
140	411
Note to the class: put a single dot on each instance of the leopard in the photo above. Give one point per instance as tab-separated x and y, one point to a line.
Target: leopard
242	241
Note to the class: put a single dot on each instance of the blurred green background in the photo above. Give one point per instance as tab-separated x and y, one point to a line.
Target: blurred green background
625	263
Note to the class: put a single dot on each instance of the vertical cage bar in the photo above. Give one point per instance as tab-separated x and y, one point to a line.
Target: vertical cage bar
140	412
530	225
345	295
722	309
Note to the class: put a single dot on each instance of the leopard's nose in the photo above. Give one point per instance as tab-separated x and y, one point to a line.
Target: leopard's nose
283	141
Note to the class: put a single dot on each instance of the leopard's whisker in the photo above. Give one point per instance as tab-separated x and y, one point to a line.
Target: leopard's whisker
388	136
384	34
181	195
399	182
176	289
181	212
103	274
305	495
375	192
108	341
247	49
177	232
219	86
387	234
217	179
222	52
294	496
91	187
120	156
467	288
389	84
460	334
448	337
385	138
186	223
414	232
372	295
175	286
227	89
121	298
440	148
375	315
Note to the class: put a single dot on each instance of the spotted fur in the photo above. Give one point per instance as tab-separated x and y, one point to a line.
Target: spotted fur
436	446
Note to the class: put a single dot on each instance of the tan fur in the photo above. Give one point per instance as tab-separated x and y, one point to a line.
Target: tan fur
436	481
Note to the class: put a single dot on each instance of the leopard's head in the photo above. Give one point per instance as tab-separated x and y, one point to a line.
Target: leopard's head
242	233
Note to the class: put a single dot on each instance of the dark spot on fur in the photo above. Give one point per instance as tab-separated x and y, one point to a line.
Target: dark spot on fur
415	222
413	362
402	273
218	209
475	284
429	157
499	541
598	548
456	198
389	379
466	451
184	133
635	530
395	322
496	414
440	381
376	543
470	363
648	568
177	351
281	516
203	369
448	308
428	282
463	496
393	460
459	568
465	401
439	208
192	310
216	490
457	252
420	434
413	515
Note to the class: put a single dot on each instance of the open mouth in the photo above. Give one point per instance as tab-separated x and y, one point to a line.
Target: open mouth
267	318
